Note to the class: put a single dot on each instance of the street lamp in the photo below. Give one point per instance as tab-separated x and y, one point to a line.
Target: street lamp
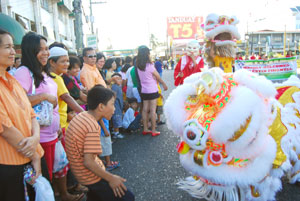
299	47
247	45
258	48
288	44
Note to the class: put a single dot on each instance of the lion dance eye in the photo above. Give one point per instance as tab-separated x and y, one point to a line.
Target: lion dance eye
191	135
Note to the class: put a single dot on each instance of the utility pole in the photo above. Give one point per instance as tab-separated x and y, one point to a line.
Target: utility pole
91	13
78	25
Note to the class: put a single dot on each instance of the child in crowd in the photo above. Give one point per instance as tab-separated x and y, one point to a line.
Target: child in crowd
107	146
117	117
83	145
131	119
110	65
159	108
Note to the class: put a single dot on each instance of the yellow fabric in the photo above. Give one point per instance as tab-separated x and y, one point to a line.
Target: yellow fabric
61	90
160	99
225	62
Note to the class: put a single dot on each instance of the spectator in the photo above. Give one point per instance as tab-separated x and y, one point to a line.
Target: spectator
100	61
159	108
16	65
117	117
110	65
158	66
35	54
58	64
132	119
71	82
87	167
90	76
119	63
253	57
19	130
148	77
289	53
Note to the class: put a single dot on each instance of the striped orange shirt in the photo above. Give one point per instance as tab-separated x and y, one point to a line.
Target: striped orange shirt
15	110
82	137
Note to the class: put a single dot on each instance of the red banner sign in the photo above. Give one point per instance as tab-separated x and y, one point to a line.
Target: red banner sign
185	27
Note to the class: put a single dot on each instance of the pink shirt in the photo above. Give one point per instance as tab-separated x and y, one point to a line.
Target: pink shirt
47	133
148	81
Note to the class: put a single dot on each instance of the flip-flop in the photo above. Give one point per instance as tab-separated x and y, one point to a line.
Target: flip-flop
111	167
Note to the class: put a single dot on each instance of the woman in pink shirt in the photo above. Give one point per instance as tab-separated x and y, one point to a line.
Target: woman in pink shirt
34	74
148	77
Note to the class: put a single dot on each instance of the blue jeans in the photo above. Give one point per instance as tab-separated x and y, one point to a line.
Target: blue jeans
135	124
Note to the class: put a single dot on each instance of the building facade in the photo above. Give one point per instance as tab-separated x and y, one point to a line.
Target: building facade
51	18
271	41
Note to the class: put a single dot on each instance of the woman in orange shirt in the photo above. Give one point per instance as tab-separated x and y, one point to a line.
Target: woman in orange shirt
19	129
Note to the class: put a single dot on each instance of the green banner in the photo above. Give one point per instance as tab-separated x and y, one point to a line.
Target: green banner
273	69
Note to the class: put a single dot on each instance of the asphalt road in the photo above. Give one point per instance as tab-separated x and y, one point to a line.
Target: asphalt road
152	168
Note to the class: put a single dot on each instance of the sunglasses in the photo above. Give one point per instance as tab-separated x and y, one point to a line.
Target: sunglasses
91	56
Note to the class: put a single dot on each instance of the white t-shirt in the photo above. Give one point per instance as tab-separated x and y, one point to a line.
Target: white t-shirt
128	118
129	93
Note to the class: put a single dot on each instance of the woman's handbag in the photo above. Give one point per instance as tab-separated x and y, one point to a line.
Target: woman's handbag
43	110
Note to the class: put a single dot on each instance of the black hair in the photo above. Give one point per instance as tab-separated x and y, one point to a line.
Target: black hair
108	63
73	60
99	94
30	47
118	61
117	74
4	32
128	59
125	68
57	44
143	57
131	100
99	56
86	50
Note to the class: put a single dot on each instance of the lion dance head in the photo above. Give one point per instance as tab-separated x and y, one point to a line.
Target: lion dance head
235	134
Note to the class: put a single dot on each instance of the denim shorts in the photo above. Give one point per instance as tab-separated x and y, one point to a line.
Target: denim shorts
117	120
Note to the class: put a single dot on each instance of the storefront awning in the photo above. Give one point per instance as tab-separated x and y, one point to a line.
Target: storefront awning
12	26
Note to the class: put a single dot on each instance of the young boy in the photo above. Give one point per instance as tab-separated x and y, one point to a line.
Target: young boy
83	145
159	108
131	121
117	117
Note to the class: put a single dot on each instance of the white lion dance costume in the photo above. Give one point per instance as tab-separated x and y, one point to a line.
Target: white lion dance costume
239	134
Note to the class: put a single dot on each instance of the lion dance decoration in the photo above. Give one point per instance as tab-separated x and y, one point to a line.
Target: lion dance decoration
239	134
221	35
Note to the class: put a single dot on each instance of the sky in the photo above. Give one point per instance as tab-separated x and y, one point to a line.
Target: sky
126	24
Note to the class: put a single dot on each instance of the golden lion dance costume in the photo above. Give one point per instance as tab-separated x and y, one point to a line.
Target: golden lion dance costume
221	35
239	134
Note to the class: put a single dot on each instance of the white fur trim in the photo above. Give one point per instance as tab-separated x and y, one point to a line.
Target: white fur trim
224	28
226	42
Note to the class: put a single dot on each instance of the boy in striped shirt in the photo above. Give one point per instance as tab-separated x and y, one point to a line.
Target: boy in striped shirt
83	147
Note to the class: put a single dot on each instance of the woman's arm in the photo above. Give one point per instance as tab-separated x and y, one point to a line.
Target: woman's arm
71	102
83	97
29	144
38	98
156	75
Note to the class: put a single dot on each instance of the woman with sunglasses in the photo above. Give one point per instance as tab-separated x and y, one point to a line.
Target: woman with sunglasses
19	130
